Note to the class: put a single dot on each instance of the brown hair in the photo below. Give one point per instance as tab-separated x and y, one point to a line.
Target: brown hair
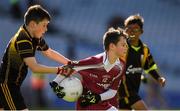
36	13
112	36
134	19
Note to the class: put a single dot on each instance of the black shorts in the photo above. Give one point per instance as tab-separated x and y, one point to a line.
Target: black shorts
126	103
11	97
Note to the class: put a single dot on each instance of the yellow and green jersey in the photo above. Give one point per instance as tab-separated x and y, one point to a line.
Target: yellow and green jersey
138	59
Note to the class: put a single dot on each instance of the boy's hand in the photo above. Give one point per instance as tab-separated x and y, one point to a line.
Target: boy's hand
89	98
144	79
66	70
162	81
57	89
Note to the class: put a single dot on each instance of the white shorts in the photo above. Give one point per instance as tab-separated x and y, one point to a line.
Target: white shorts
112	109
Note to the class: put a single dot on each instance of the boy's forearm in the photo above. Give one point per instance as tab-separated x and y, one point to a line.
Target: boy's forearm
154	74
56	56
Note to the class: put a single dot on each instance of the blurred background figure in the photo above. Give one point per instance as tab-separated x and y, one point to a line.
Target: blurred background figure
33	2
116	21
38	82
15	9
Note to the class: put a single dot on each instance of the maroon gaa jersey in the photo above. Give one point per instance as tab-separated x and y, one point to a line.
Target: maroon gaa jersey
100	77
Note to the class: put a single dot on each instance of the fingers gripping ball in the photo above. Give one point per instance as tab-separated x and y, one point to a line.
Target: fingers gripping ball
72	87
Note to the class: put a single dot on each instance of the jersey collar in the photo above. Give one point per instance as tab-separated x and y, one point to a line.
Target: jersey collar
107	65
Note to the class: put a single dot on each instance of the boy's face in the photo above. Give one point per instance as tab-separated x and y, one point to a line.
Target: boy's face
40	28
134	31
121	47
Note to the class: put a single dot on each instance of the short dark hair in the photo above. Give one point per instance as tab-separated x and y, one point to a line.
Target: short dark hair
36	13
112	36
134	19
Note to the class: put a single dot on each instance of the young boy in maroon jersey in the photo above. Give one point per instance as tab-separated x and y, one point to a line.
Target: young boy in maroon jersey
102	79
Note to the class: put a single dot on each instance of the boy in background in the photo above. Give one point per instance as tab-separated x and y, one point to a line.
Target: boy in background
138	59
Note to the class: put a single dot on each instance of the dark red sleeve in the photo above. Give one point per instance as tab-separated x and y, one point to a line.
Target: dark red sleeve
87	61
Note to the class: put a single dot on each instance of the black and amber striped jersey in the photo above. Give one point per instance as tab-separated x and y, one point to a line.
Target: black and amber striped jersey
138	59
13	69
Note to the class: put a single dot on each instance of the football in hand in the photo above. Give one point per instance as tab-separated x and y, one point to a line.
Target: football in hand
72	87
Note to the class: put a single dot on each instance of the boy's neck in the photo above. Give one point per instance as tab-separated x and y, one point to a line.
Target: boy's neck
134	42
29	30
111	57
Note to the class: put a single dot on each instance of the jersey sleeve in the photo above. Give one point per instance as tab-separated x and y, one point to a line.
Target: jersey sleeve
42	46
25	48
150	63
86	62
